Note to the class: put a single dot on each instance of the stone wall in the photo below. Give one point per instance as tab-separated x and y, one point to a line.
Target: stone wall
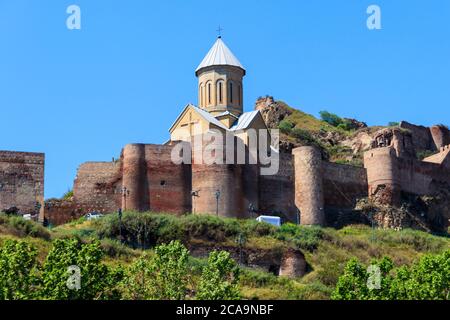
343	184
21	181
97	187
276	193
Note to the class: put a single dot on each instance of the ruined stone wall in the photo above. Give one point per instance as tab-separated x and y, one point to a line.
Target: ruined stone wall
421	136
21	180
343	185
276	192
440	135
97	187
389	175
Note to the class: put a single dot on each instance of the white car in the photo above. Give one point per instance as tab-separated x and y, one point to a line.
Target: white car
93	216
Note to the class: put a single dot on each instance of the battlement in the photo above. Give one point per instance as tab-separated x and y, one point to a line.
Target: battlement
22	157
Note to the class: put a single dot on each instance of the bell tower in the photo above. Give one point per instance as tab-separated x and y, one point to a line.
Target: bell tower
220	87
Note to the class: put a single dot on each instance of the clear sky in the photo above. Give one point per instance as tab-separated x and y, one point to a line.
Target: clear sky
81	95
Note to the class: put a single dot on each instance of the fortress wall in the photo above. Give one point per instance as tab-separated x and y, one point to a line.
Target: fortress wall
168	184
207	179
421	178
343	184
97	187
276	193
21	180
441	136
421	136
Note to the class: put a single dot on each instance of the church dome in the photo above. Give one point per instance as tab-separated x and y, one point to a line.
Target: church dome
219	55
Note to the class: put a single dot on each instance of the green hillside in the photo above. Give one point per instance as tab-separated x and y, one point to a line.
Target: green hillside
327	251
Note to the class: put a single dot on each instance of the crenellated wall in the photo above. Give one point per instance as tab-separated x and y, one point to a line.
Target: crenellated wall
22	181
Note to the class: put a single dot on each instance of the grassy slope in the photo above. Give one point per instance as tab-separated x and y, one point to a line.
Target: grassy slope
326	250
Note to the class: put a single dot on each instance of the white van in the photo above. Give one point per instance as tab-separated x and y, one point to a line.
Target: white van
273	220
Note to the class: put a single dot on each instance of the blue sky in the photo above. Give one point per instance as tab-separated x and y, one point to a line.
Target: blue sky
81	95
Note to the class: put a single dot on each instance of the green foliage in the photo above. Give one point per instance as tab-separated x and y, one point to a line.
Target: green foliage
20	227
68	195
219	280
428	279
307	238
17	270
393	124
422	154
163	276
286	126
330	118
97	279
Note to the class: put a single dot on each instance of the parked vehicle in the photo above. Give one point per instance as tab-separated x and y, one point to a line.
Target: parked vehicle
273	220
93	216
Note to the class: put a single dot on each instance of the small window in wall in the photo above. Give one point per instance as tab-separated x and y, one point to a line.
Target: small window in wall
209	93
163	182
231	92
239	94
220	92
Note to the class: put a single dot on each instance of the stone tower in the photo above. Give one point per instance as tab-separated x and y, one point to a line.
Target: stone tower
220	76
309	197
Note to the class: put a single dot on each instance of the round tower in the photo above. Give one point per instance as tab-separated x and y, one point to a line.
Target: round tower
309	196
383	176
134	192
216	188
220	81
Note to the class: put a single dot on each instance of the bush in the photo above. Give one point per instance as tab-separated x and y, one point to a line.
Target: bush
428	279
330	118
219	280
18	268
97	281
162	276
307	238
20	227
285	126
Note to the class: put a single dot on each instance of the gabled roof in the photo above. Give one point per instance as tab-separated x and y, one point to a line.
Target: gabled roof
245	120
204	114
226	113
242	123
219	55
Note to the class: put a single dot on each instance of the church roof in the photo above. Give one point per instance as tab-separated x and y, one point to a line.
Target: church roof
244	121
220	55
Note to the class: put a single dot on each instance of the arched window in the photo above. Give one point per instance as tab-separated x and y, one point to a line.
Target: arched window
200	93
220	91
230	90
239	94
209	93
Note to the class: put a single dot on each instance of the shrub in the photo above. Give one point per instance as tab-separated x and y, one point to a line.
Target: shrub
20	227
97	280
285	126
219	280
307	238
18	267
163	276
330	118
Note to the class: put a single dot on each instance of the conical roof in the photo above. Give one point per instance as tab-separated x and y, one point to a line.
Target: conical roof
219	55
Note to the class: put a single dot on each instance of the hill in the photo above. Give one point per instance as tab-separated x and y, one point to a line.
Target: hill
258	247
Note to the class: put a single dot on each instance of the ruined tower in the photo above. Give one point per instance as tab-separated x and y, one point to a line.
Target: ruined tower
383	176
309	197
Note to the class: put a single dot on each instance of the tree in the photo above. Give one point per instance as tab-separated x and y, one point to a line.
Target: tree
96	280
163	276
428	279
17	270
219	279
330	118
